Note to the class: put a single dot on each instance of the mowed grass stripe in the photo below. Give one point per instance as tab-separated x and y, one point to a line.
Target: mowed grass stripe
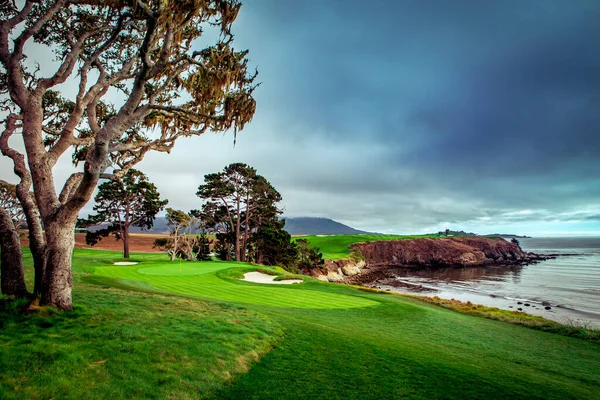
208	285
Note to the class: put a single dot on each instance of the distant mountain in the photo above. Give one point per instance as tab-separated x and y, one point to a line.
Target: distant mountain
318	226
160	226
295	226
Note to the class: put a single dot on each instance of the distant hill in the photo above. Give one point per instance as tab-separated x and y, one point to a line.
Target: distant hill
160	226
318	226
463	233
295	226
508	235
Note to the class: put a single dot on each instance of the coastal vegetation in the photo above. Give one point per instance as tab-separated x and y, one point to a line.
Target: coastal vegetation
577	330
163	329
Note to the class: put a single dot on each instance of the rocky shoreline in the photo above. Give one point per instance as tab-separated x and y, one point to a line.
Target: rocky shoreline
380	257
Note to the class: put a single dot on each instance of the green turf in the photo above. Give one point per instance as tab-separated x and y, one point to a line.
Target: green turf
335	247
202	280
118	345
328	342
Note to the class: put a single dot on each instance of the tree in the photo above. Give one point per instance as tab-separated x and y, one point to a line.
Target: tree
122	203
12	277
182	243
202	248
237	198
144	54
273	246
309	256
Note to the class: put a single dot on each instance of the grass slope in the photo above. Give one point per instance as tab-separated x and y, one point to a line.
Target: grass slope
118	345
335	247
338	342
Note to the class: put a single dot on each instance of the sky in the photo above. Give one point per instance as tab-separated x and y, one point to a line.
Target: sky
413	116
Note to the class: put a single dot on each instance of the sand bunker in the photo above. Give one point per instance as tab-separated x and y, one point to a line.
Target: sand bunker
259	277
126	263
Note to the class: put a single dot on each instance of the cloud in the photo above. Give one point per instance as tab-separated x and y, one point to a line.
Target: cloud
413	116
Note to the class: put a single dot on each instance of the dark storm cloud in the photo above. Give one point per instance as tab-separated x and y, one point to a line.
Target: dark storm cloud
451	111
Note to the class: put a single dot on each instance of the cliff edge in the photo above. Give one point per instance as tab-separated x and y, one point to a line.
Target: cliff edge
443	252
460	251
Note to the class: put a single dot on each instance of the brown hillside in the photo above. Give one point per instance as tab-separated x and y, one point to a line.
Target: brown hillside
138	242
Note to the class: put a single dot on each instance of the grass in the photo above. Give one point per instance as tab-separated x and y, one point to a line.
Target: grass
515	317
119	344
224	338
336	247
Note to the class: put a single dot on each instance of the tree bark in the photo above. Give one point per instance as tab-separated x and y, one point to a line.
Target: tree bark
237	233
12	276
58	281
126	241
37	242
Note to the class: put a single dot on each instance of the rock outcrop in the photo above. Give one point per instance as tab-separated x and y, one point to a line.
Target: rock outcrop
444	252
338	270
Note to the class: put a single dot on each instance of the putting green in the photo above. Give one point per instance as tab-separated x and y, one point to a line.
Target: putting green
183	269
200	280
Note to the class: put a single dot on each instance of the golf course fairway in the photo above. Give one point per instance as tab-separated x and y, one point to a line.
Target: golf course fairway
161	329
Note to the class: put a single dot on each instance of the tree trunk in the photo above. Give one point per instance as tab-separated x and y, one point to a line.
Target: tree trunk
11	271
37	247
236	247
126	241
57	281
246	229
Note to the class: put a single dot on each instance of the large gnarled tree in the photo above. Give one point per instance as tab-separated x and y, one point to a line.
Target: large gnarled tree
142	82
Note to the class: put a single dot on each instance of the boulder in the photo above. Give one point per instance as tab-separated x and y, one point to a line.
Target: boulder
350	270
335	276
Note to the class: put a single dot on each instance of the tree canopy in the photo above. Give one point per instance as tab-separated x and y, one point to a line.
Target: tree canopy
129	201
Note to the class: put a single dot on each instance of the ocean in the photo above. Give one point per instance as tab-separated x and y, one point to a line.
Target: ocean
565	289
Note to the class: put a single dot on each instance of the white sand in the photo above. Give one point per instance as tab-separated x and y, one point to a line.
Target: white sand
259	277
126	263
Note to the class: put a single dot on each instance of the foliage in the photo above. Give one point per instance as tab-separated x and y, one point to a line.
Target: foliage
10	203
272	245
123	203
309	257
202	248
515	241
182	243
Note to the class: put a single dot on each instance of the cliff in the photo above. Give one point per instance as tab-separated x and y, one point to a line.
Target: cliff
423	253
443	252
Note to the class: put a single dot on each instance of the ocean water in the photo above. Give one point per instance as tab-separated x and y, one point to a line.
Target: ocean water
569	284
